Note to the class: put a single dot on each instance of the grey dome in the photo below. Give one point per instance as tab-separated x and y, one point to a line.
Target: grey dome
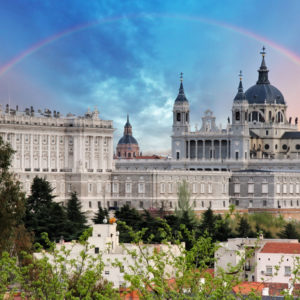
127	139
261	93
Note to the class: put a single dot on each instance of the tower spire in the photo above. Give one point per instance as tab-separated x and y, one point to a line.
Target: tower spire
181	96
240	94
263	70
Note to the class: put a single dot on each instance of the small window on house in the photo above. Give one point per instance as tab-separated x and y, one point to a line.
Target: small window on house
90	204
96	250
128	187
287	271
291	202
106	272
269	271
276	147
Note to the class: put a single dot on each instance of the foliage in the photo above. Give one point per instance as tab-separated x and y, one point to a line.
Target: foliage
244	228
77	221
100	215
13	235
289	232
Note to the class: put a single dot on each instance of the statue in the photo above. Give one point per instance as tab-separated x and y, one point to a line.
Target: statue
290	120
228	120
296	121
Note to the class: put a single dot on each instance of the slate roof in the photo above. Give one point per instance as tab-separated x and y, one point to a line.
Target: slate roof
127	139
291	135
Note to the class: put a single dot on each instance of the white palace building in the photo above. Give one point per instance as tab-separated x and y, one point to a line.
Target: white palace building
253	162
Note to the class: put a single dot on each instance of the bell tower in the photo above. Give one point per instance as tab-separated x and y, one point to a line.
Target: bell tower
181	122
240	129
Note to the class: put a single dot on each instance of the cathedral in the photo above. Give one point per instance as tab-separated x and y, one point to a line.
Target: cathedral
252	162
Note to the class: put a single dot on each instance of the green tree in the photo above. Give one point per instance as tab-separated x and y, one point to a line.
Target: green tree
100	215
43	214
77	221
289	232
208	222
12	206
244	228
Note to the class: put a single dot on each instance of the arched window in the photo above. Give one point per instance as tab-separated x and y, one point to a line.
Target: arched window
256	116
237	116
279	117
178	117
187	117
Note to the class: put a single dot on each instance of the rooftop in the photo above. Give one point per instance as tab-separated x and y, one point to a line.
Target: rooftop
286	248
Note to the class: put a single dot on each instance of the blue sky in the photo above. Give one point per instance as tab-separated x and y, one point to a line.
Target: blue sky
129	60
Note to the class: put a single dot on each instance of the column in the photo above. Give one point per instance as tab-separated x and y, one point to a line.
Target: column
22	151
75	149
101	141
196	149
66	153
203	149
40	152
92	161
220	147
31	151
189	149
57	153
212	149
227	154
49	149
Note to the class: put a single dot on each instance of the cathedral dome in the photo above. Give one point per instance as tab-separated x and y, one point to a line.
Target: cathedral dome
127	139
263	91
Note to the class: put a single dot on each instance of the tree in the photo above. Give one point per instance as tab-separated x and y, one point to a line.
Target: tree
100	215
208	222
42	213
77	221
13	235
244	228
289	232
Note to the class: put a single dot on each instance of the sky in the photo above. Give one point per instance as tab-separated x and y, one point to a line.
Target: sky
125	57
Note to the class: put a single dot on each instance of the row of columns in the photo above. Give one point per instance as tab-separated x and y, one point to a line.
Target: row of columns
209	149
77	161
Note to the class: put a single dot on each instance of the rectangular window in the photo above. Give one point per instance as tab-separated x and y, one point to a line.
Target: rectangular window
90	204
115	204
128	187
128	203
106	272
224	204
291	189
69	187
297	188
224	188
278	188
115	187
202	188
96	250
284	188
202	203
162	187
90	187
264	202
177	155
99	204
264	188
170	187
287	271
210	188
171	204
194	188
141	204
236	188
250	188
269	271
108	187
141	188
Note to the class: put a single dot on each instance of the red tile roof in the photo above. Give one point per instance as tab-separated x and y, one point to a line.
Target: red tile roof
287	248
245	288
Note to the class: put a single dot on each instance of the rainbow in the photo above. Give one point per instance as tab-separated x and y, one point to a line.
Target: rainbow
37	46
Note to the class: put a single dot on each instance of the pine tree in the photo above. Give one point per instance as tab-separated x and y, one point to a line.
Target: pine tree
77	221
42	213
100	215
289	232
244	228
13	236
208	222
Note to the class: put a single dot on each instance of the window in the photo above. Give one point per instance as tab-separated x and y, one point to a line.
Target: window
115	187
99	204
90	187
177	155
284	147
162	187
267	146
264	202
90	204
237	155
194	188
210	188
170	188
106	272
178	117
128	187
297	188
99	187
96	250
291	202
269	271
250	188
287	271
278	188
202	188
267	132
284	188
224	188
237	116
264	188
291	188
202	203
141	204
108	187
237	202
171	204
224	204
128	203
141	188
236	188
297	147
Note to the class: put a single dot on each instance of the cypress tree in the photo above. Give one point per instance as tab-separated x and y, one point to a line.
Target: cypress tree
100	215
